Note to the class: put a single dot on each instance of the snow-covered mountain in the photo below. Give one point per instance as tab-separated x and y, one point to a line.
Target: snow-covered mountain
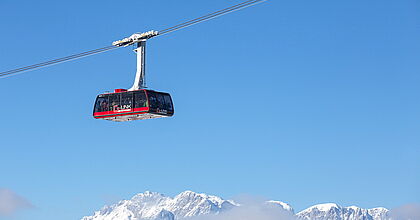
331	211
156	206
282	205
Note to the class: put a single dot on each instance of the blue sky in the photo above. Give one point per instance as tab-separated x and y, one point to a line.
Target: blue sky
300	101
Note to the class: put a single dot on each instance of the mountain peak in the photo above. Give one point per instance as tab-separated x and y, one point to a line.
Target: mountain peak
156	206
149	194
325	207
336	212
283	205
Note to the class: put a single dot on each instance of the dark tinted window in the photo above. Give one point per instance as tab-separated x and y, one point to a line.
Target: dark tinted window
126	100
168	102
101	104
161	101
153	102
114	100
140	99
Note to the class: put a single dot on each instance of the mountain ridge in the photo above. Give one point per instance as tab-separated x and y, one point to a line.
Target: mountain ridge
156	206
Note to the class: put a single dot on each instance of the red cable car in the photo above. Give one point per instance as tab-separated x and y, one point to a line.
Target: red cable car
137	102
126	105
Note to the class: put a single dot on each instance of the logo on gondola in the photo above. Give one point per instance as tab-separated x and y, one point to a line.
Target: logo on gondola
164	111
122	108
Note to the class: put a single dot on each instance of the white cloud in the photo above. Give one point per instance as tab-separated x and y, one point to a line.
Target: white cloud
406	212
10	202
251	211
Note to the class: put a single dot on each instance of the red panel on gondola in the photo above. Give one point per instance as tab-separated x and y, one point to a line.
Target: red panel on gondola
120	90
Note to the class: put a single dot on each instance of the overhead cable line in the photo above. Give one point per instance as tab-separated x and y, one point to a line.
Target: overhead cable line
211	16
108	48
56	61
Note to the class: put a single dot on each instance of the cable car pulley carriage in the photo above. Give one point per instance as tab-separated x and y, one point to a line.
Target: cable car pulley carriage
136	103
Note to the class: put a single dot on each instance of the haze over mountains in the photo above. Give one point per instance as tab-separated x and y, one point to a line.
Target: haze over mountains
191	205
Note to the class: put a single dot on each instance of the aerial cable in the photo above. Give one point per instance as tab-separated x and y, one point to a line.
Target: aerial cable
55	61
146	35
211	16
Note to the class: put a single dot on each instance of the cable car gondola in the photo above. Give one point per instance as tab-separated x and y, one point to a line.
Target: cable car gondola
136	103
123	105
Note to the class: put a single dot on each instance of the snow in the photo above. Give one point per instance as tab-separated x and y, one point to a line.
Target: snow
156	206
326	207
332	211
283	205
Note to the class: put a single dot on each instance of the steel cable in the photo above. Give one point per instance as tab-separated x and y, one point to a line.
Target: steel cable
56	61
211	16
